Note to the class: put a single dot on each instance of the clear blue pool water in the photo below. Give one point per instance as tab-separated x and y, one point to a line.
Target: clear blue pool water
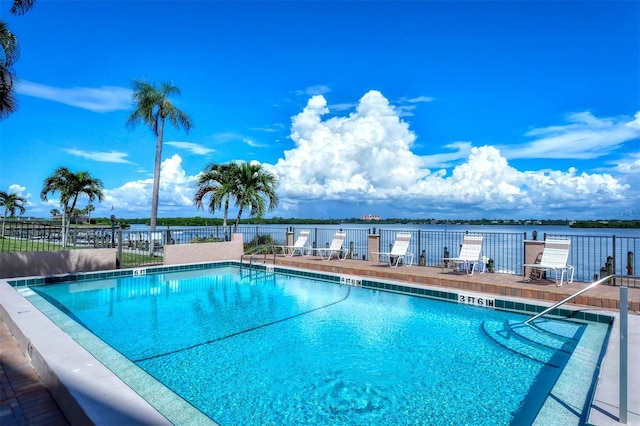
286	350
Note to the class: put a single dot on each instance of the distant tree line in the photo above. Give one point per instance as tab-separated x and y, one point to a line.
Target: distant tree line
606	224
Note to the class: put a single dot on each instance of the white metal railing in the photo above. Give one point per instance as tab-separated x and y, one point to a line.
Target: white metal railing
263	249
570	297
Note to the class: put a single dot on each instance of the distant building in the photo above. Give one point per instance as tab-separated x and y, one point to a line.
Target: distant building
369	217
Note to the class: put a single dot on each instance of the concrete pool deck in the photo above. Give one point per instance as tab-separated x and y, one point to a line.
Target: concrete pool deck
604	410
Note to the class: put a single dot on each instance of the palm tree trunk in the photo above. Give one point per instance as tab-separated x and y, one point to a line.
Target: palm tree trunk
235	227
156	187
226	213
64	226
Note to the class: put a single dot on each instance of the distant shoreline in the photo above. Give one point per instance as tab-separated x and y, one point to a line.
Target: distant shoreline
203	221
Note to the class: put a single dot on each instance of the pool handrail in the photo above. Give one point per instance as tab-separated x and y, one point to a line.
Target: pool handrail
261	249
572	296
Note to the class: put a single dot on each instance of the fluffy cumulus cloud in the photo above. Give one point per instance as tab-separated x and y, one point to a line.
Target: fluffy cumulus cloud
366	157
176	191
366	154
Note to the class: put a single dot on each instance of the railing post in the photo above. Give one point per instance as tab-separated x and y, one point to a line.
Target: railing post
614	255
624	328
119	255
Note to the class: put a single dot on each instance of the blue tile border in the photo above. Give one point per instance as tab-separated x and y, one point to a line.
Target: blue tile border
443	295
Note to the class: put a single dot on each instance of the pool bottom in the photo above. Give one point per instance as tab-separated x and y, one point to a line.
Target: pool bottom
157	397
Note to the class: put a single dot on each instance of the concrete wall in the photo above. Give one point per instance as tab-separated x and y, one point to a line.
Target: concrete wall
39	263
373	243
204	252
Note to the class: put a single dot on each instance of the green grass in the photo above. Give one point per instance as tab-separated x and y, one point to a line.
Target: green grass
133	259
8	245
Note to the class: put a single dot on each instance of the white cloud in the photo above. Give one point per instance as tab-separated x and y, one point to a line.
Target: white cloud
253	144
105	157
20	191
176	191
461	151
630	165
419	99
319	89
366	158
585	137
405	106
348	157
276	127
101	99
194	148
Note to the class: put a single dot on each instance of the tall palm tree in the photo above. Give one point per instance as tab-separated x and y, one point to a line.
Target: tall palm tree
8	56
219	181
153	107
71	186
11	202
254	184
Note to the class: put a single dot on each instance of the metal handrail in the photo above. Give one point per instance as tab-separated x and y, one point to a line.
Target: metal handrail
574	295
258	250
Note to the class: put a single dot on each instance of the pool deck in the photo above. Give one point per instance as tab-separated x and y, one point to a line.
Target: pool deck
604	297
25	400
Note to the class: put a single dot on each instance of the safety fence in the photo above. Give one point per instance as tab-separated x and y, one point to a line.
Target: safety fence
593	257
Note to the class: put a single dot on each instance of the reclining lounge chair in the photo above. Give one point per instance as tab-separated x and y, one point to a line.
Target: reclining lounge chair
300	246
399	252
554	258
469	258
335	249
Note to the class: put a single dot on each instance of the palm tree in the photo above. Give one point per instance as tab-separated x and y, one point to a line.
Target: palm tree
8	56
11	202
254	183
20	7
71	187
88	210
153	107
220	182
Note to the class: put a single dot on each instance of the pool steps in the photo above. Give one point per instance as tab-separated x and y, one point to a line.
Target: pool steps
549	344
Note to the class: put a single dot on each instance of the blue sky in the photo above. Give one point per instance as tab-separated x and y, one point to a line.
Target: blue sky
413	109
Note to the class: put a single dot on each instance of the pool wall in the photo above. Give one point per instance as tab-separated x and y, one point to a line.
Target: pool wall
86	391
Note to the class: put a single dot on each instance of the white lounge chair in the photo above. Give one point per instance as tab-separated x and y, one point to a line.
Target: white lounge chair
335	249
399	252
300	246
469	258
554	258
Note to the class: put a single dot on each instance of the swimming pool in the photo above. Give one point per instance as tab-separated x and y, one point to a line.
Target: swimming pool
275	348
